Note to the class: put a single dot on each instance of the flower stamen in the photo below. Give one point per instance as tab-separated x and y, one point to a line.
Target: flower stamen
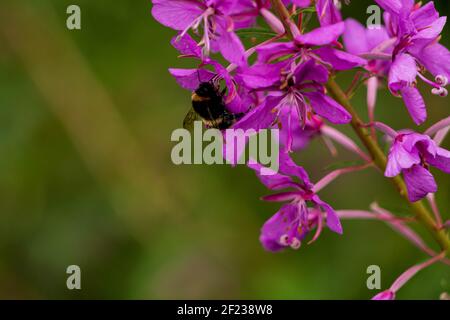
438	86
284	240
295	243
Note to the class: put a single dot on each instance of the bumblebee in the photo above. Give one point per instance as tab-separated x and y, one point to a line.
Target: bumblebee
208	105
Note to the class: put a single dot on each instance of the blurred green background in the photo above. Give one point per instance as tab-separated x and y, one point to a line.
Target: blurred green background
86	176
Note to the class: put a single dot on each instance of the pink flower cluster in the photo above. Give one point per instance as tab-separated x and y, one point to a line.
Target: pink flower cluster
281	82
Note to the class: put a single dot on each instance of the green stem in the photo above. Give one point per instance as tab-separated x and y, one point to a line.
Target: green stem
284	15
421	212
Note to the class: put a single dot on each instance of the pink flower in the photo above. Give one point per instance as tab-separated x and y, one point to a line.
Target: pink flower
417	29
295	219
411	154
296	92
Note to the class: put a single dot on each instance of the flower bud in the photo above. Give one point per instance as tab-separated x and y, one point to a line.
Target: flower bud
272	21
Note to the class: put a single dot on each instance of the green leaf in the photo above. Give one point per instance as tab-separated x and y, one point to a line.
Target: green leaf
255	33
303	10
306	10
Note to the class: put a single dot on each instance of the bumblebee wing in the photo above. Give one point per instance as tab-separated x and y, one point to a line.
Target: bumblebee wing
191	116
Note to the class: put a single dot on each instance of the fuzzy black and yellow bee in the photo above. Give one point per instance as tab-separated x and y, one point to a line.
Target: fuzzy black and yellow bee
208	106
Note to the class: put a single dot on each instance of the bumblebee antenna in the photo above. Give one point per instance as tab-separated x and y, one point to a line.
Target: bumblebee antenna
198	76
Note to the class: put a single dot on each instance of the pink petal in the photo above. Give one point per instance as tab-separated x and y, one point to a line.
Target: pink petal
327	108
425	15
415	104
190	78
441	160
176	14
285	222
419	182
435	57
390	5
416	142
355	37
274	50
260	117
228	6
385	295
280	197
377	36
403	72
432	31
231	47
339	60
323	35
261	76
399	159
275	181
311	71
333	222
327	12
289	167
186	46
